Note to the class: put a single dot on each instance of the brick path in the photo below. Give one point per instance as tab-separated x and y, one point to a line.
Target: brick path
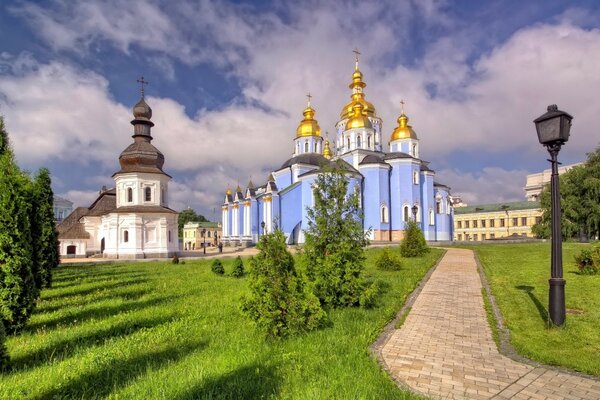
445	348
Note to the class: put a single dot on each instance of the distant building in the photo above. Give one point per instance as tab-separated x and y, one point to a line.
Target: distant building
536	182
193	237
494	221
62	208
456	201
132	220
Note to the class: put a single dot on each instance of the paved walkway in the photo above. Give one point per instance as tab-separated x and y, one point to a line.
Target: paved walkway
445	348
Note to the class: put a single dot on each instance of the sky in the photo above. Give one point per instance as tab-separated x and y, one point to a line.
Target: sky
228	83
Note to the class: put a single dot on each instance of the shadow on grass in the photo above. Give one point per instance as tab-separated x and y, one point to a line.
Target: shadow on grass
126	295
540	307
117	373
58	351
99	312
86	280
93	272
253	381
95	288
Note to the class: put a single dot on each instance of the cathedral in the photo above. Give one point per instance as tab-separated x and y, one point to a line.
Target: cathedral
133	219
394	186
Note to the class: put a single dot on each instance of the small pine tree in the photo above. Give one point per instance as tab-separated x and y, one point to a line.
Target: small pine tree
18	292
280	302
217	267
388	261
238	268
413	244
334	241
43	230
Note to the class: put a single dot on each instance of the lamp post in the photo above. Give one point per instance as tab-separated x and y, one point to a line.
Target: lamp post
204	240
414	209
553	131
262	225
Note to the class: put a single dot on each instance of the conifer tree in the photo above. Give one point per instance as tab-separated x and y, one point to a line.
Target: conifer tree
18	292
43	230
413	244
335	240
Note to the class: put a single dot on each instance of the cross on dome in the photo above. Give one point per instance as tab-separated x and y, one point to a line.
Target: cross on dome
142	82
402	105
308	96
356	54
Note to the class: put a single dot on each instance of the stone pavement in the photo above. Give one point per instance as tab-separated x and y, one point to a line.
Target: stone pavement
445	348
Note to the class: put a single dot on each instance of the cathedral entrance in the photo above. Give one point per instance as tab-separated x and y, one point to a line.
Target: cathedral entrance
102	246
71	250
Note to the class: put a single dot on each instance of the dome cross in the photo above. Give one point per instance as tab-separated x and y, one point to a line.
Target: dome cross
308	96
142	82
356	54
402	105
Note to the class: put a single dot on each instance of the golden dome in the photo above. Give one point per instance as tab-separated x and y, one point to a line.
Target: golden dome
309	126
357	96
359	118
228	192
326	150
403	130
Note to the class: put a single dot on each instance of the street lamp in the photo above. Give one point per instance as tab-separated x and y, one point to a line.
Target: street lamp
204	240
262	225
553	131
414	209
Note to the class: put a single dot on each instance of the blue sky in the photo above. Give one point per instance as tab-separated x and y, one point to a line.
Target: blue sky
228	83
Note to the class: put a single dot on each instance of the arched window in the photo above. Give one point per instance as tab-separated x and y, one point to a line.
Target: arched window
414	150
306	146
384	214
405	214
415	177
298	147
169	234
431	217
348	143
316	150
369	141
129	195
438	206
125	236
147	194
358	141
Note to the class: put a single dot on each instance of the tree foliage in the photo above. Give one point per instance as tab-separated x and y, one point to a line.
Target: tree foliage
413	244
4	358
43	230
280	302
188	215
579	201
238	268
388	261
18	291
217	267
334	240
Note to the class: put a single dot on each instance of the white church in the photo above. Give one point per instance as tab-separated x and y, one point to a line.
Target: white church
132	220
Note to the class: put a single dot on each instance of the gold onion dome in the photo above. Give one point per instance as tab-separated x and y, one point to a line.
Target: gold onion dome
327	150
228	192
403	130
359	118
357	97
308	126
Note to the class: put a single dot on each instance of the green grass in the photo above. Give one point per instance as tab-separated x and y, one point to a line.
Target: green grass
518	275
155	330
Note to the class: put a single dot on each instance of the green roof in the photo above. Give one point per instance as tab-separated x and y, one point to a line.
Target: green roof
192	224
510	206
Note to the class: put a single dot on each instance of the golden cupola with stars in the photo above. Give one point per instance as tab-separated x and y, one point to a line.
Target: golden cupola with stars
309	125
403	130
358	96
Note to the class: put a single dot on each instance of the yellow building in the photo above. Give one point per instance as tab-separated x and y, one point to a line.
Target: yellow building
494	221
195	234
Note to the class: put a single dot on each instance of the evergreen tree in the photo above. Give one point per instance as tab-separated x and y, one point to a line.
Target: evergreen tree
43	230
280	302
334	241
18	292
413	244
238	268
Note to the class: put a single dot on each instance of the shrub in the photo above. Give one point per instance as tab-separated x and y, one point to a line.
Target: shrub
217	267
238	268
368	297
175	259
388	261
588	261
280	303
413	244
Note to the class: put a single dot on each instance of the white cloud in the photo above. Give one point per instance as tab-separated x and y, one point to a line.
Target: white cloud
80	198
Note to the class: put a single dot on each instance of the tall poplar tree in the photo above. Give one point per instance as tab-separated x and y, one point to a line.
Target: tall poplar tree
43	230
18	292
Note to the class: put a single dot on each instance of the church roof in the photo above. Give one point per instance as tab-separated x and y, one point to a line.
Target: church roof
104	204
397	154
373	159
71	228
307	158
349	168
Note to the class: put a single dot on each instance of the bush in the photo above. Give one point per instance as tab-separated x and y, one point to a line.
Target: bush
388	261
588	261
368	297
280	302
413	244
175	260
238	268
217	267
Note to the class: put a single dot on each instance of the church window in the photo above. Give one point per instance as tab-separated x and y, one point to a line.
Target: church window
348	143
148	194
316	151
129	195
438	206
384	214
414	150
369	141
415	177
306	147
298	147
432	217
358	141
125	236
405	214
169	235
162	195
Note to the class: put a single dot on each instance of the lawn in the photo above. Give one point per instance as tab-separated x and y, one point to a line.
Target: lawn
154	330
518	275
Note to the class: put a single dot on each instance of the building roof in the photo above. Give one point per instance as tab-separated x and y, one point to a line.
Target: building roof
70	228
306	158
510	206
194	225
